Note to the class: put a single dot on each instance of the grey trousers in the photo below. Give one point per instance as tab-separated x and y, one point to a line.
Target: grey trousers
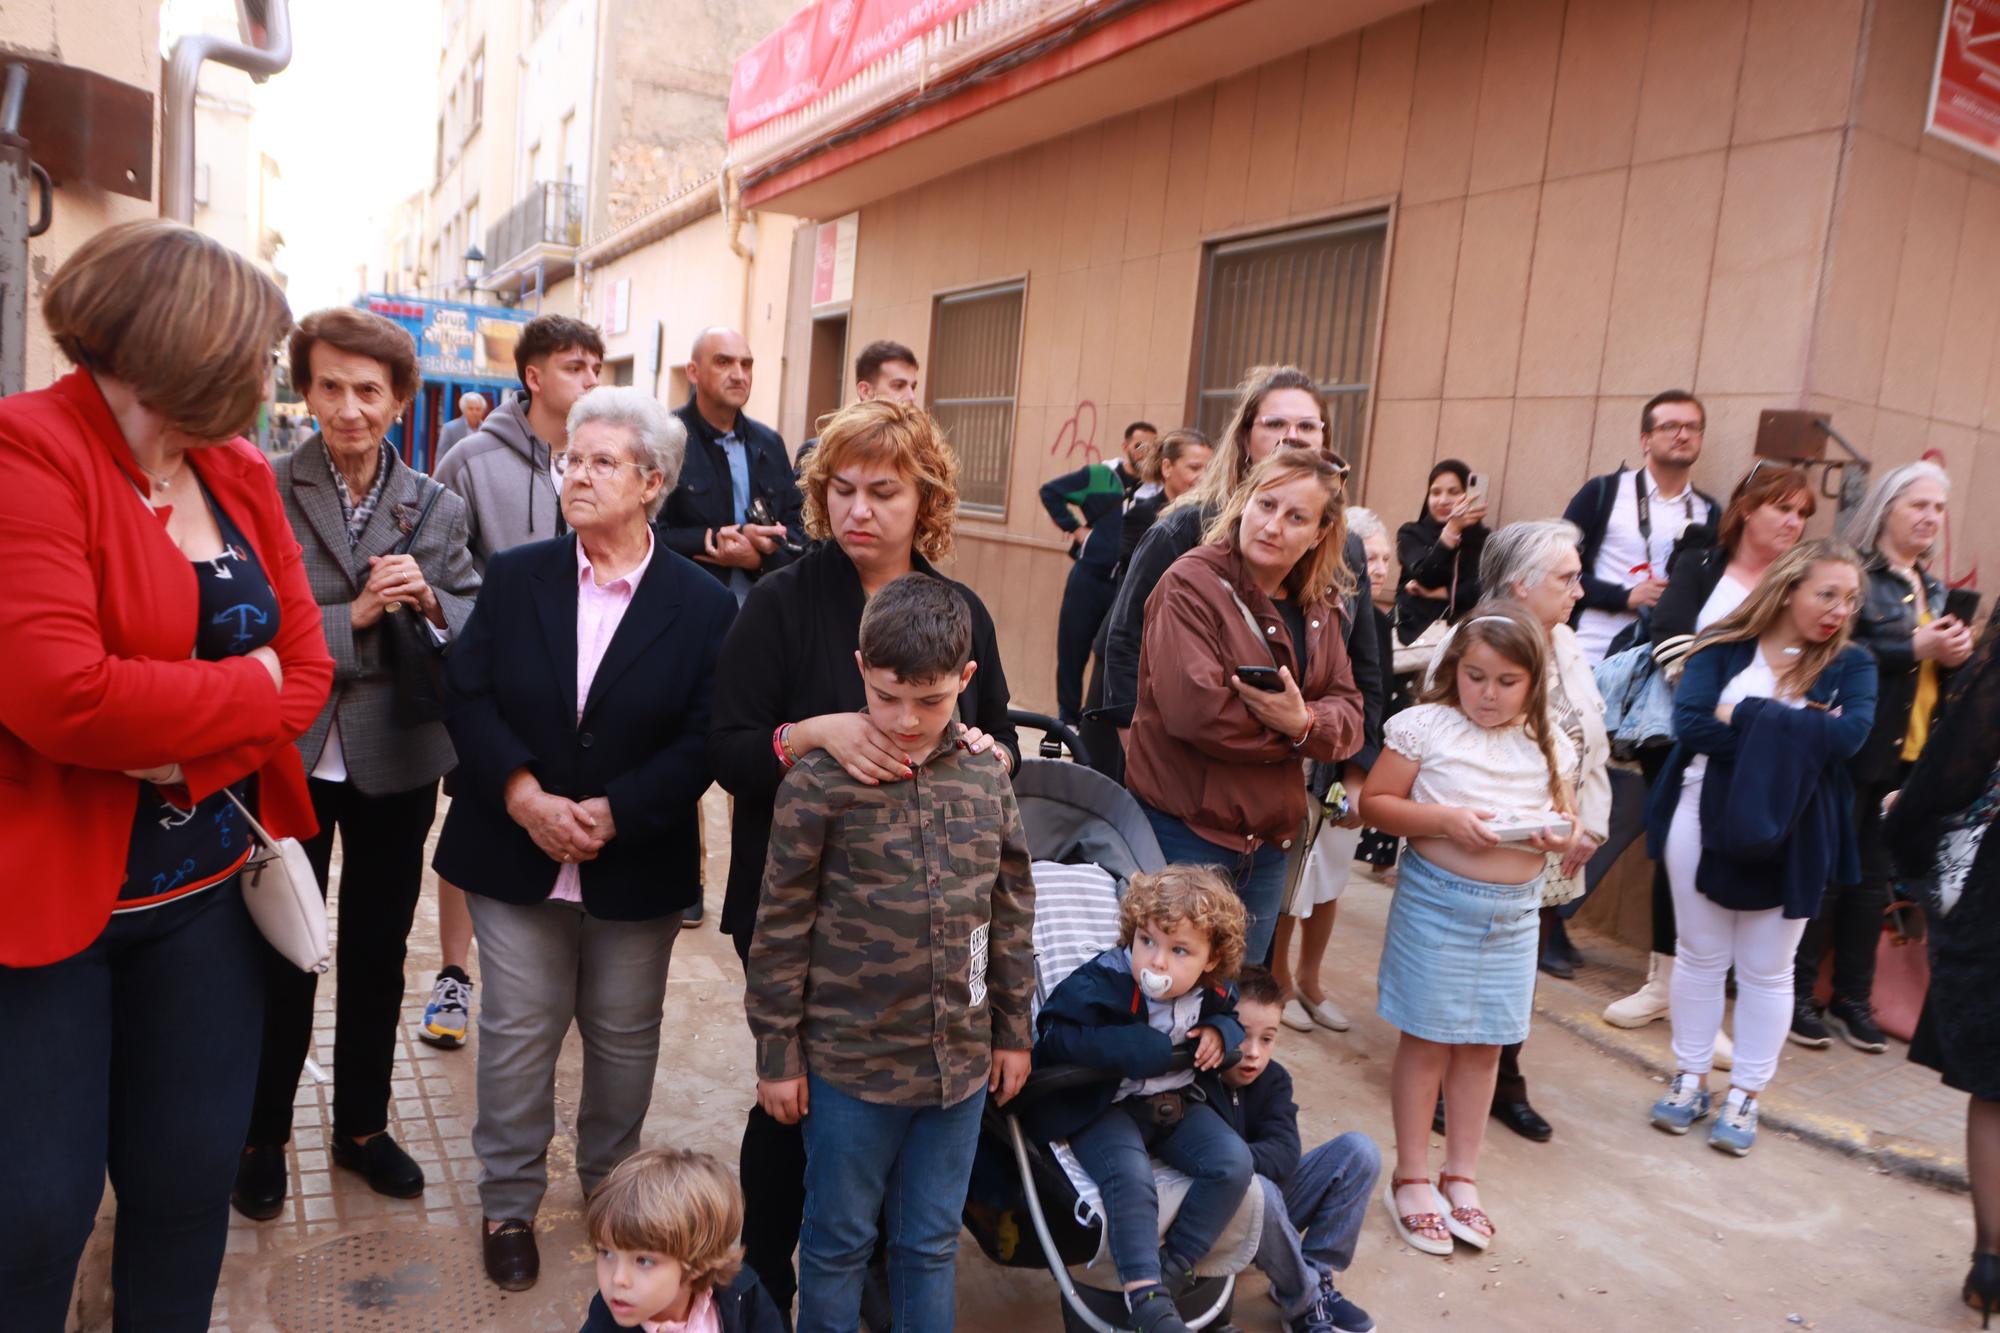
539	968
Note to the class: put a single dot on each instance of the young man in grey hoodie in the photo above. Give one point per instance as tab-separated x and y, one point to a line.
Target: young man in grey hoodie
502	469
502	472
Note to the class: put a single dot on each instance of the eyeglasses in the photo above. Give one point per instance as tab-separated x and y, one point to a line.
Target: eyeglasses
1306	428
602	467
1569	580
1692	429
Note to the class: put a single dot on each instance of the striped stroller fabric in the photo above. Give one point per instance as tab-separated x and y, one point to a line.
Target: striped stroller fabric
1076	919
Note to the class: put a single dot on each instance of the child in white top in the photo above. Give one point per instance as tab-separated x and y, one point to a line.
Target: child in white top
1458	958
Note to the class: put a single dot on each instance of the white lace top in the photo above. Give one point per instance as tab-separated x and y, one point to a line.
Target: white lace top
1460	762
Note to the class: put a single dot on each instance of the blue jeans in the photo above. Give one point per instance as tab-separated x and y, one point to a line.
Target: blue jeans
1116	1151
1259	876
137	1055
860	1156
1310	1224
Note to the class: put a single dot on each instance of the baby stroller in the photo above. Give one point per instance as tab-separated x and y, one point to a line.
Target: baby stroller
1030	1205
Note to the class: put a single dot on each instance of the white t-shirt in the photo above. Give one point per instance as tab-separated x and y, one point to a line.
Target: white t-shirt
1727	596
1624	550
1462	763
1755	681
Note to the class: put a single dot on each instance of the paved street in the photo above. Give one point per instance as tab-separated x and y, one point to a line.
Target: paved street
1612	1226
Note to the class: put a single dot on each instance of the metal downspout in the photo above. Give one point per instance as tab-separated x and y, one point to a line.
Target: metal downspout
733	213
184	72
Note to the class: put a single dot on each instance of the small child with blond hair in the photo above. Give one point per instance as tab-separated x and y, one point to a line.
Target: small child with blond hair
665	1225
1180	941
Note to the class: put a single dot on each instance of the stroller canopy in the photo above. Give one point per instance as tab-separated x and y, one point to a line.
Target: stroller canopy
1075	814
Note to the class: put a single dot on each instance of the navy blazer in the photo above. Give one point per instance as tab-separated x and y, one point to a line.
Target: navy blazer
642	740
1097	1018
1796	765
742	1307
703	497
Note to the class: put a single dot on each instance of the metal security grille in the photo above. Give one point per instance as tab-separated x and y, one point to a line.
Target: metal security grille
1306	298
974	372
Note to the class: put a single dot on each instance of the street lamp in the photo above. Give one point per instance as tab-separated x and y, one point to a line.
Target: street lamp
475	265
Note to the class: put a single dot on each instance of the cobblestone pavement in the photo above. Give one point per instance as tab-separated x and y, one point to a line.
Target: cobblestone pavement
1612	1226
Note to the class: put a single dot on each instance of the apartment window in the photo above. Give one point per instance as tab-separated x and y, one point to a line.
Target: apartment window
974	370
1305	297
478	86
473	236
438	174
201	183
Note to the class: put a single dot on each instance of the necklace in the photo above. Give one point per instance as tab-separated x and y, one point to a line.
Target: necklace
165	481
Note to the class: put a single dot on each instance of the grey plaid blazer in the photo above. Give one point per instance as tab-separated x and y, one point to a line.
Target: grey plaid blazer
382	755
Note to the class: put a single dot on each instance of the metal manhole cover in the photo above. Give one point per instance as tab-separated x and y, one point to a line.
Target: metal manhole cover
384	1282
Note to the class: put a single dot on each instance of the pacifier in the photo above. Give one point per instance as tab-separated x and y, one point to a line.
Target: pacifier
1155	984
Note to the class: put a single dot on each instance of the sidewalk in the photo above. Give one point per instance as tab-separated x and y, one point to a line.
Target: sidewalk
1613	1226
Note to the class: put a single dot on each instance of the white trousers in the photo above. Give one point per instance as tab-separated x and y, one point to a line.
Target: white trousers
1711	939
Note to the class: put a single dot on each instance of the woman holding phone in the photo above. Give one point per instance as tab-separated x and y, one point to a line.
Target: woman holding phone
1243	673
1440	551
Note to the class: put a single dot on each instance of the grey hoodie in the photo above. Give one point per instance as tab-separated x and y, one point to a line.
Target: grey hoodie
502	471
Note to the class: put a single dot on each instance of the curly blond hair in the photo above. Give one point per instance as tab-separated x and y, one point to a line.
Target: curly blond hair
1189	893
672	1201
876	431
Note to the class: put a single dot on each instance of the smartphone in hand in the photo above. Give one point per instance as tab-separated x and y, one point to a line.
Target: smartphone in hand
1265	678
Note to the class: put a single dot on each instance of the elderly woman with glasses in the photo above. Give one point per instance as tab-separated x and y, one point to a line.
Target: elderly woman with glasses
581	691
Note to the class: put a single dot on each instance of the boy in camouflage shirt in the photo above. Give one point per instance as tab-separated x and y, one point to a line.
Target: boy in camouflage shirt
890	974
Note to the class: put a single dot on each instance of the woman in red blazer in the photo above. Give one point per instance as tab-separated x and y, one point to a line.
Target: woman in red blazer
161	644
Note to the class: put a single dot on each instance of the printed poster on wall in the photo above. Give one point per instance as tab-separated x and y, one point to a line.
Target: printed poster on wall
833	260
1965	86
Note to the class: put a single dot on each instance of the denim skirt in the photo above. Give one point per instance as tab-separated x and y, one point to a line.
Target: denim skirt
1458	957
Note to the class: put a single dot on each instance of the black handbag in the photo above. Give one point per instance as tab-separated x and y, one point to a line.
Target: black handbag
412	653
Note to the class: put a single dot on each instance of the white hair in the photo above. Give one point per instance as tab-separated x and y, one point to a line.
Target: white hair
1364	523
468	398
1863	528
659	440
1523	553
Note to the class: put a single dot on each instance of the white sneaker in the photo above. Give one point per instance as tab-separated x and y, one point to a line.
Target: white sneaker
1295	1017
1647	1003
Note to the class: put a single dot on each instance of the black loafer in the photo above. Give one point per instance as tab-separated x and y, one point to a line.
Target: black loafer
512	1261
261	1179
1552	962
389	1169
1524	1120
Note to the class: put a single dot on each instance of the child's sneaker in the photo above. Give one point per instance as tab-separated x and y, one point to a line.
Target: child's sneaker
1332	1312
1686	1102
1176	1274
1735	1130
1153	1311
449	1010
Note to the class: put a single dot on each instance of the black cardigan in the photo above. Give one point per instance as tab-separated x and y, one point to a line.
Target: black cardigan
702	499
789	657
1427	561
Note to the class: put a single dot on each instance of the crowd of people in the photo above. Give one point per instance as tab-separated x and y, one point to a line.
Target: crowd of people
596	608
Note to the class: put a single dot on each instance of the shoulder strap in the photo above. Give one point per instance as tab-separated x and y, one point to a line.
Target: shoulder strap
1645	509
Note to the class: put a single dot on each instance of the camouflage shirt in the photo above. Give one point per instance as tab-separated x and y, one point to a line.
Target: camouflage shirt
893	949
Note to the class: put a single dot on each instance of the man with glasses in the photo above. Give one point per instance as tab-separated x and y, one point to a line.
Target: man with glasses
1099	493
1631	518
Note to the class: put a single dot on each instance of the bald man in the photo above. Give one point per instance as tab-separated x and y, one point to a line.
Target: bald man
472	409
736	472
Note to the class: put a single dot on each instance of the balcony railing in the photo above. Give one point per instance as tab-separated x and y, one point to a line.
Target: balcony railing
551	213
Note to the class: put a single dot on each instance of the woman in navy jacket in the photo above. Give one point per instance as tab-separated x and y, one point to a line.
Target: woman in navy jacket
1753	816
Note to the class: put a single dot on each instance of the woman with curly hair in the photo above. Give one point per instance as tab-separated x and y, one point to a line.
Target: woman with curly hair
881	498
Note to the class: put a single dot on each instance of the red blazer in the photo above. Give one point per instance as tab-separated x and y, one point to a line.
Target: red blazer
97	626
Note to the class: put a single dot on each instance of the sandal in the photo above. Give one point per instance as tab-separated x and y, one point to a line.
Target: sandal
1411	1226
1465	1223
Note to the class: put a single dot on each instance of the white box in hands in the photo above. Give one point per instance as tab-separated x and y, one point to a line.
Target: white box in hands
1519	827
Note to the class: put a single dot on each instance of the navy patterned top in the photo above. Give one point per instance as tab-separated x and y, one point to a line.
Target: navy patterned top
175	852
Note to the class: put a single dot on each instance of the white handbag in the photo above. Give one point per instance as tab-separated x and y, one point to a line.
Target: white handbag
283	896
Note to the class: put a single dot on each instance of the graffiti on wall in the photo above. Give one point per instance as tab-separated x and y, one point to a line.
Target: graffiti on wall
1077	435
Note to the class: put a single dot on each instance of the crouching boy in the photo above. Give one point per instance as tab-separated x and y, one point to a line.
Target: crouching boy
889	978
1312	1207
1180	939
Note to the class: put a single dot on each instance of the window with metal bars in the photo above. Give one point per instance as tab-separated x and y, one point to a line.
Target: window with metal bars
973	374
1305	297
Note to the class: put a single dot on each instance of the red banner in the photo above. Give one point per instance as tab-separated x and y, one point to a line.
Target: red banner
821	47
1965	90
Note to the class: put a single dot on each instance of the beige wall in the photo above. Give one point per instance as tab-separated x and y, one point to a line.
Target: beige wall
116	38
1593	200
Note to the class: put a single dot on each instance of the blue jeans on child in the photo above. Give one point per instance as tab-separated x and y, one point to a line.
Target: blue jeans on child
1311	1222
1259	876
860	1156
1114	1150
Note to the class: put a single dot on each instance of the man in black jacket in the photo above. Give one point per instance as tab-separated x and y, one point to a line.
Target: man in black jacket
733	463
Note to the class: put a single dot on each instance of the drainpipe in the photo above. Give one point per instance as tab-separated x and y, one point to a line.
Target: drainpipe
184	71
733	212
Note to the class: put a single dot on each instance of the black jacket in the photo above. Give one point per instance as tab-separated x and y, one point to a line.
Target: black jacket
1097	1019
642	740
1590	509
1427	561
703	499
743	1307
1177	532
1265	1116
1888	619
791	657
1692	575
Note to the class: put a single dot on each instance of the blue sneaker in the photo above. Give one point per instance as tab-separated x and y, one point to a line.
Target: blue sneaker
1331	1312
1686	1102
1735	1130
